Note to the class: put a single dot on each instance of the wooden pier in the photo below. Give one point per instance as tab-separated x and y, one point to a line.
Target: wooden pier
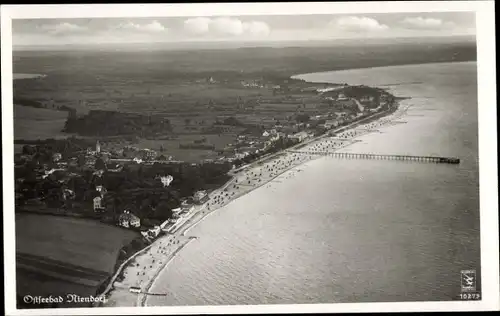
431	159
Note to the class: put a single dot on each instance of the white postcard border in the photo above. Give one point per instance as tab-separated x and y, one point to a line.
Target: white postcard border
485	20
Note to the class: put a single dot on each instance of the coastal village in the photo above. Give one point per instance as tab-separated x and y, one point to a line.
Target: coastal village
210	160
57	174
154	192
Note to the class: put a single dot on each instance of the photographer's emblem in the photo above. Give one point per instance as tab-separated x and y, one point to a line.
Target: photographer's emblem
468	282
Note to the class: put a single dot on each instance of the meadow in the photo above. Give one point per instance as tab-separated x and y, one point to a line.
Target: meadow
80	242
33	123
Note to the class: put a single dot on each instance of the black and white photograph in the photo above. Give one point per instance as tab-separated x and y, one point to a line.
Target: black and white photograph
249	157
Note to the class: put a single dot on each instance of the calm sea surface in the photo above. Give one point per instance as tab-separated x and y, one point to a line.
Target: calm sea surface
353	230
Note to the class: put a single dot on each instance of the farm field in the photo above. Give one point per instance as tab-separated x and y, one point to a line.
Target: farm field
171	146
85	243
37	284
35	123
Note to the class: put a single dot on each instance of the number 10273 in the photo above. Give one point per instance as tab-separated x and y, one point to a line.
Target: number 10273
470	296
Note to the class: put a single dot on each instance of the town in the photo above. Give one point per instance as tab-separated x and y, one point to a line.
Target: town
136	176
150	191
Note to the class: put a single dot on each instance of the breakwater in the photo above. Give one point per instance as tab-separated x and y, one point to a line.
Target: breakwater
431	159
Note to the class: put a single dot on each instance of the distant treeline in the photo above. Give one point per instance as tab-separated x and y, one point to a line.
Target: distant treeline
59	144
235	64
41	105
232	121
112	123
44	149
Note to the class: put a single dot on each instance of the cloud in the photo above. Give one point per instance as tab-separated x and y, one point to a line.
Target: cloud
62	28
257	28
153	27
225	26
197	26
358	24
425	23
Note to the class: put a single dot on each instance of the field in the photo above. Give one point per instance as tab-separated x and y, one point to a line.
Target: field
34	123
35	284
171	147
85	243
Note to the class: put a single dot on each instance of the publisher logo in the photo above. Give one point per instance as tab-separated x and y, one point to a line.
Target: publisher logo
468	282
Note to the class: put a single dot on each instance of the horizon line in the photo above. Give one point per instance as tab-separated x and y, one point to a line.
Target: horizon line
235	43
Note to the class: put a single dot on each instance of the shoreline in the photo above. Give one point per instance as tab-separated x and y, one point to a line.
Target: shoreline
284	161
142	298
299	76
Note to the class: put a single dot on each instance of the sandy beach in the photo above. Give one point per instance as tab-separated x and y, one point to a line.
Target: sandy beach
143	269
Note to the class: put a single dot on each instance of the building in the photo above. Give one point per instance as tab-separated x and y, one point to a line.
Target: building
299	136
56	157
114	167
52	171
331	124
105	156
342	97
90	161
166	180
98	204
73	162
128	219
367	98
154	232
200	196
187	209
68	194
165	224
177	211
98	173
148	154
97	147
102	190
240	155
322	90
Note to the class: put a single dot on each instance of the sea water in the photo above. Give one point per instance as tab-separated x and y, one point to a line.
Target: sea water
353	230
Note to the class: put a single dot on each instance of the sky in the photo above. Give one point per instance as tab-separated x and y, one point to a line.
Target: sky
240	28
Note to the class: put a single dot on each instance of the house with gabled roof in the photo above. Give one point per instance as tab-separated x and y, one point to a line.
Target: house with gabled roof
128	219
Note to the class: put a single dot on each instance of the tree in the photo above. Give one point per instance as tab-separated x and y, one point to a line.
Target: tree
28	150
162	210
187	121
81	160
302	118
100	164
161	148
